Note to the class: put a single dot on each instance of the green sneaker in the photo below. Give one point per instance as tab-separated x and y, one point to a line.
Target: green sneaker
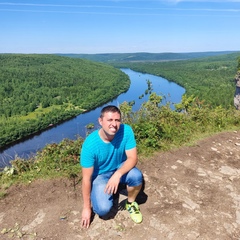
134	211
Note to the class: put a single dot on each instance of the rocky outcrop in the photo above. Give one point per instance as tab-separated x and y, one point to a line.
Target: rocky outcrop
237	92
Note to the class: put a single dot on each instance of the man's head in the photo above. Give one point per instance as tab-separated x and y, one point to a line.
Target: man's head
110	120
110	108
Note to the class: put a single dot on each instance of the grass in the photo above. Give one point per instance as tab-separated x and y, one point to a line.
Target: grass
41	111
53	161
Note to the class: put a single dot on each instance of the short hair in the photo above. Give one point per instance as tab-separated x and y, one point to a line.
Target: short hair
110	108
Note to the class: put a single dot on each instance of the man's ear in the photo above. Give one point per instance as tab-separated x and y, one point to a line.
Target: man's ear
100	121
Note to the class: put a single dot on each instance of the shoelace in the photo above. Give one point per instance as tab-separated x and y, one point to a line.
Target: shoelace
133	208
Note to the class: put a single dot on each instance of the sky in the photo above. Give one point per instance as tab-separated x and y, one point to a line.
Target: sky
119	26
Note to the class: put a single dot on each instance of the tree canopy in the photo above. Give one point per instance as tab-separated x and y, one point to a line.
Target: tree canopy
54	88
210	79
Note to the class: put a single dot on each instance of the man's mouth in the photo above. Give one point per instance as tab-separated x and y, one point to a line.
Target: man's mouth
113	129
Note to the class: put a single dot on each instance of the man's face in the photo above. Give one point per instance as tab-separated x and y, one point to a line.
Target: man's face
110	123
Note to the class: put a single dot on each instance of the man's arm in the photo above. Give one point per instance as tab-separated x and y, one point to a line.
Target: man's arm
86	192
130	163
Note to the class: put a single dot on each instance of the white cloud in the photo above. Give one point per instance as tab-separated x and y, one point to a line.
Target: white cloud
102	9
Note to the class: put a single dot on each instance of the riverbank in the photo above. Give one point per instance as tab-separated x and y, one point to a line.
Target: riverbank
190	193
76	126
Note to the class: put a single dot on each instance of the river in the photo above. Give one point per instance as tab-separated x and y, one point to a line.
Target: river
76	127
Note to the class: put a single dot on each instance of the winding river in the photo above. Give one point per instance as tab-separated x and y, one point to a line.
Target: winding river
74	127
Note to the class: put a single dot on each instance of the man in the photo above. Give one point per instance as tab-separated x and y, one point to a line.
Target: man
108	157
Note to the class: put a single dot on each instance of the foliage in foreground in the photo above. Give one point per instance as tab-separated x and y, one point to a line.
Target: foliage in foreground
157	127
160	128
55	160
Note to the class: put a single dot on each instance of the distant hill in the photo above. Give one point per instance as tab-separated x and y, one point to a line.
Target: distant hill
144	57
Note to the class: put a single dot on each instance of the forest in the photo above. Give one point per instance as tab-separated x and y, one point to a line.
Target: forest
37	91
211	79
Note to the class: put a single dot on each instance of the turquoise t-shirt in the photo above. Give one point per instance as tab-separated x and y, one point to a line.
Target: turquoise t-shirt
105	157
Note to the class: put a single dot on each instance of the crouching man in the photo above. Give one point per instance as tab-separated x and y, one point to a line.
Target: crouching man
109	157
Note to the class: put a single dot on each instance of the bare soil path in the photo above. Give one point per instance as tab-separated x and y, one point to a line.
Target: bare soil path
190	193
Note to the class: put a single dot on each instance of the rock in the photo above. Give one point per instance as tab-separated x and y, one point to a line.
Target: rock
237	92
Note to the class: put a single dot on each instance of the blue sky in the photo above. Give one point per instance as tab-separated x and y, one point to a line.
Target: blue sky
119	26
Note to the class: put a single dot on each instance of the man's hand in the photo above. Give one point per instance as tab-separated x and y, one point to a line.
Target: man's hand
86	217
113	182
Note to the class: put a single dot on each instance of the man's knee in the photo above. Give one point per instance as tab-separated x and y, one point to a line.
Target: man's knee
135	177
102	209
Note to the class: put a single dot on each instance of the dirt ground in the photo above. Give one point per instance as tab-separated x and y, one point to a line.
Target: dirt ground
190	193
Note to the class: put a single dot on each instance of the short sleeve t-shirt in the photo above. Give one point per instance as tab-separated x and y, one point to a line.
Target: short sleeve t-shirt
105	157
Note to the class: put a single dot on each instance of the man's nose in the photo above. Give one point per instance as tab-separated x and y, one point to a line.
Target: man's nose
114	123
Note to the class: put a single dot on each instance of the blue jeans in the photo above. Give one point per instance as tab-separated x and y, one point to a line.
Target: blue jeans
102	202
